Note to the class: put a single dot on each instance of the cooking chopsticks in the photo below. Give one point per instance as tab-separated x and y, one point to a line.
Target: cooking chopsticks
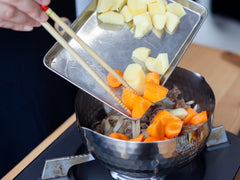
72	34
65	44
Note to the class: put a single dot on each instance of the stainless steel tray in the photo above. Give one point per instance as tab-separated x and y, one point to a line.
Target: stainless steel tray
116	46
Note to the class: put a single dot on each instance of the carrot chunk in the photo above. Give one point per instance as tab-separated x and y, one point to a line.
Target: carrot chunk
199	118
165	116
140	107
129	98
112	81
153	77
162	118
173	128
165	138
138	138
191	113
151	139
118	136
156	129
154	92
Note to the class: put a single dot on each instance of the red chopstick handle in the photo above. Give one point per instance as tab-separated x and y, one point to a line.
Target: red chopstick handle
45	8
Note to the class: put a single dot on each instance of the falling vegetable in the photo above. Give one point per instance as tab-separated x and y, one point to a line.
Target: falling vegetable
140	107
154	92
129	98
112	81
153	77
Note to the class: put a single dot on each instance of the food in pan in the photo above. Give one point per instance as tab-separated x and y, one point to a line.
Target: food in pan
161	122
156	120
145	15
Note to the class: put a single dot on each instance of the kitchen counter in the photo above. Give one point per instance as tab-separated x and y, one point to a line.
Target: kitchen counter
220	69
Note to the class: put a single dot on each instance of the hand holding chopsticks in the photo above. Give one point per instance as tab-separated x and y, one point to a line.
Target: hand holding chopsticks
65	44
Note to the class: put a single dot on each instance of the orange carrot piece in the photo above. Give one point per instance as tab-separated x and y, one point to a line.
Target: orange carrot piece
138	138
153	77
162	118
191	113
154	92
151	139
165	116
112	81
199	118
140	107
129	98
118	136
173	128
165	138
156	129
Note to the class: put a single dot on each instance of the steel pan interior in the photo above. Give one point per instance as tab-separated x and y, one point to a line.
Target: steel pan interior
144	160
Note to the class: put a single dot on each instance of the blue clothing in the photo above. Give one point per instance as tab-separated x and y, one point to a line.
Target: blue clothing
33	100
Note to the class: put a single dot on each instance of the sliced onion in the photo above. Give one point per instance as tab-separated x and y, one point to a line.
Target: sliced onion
195	108
118	125
107	127
190	102
133	129
138	128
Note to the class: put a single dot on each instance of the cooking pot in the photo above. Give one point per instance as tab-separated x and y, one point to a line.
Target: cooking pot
154	159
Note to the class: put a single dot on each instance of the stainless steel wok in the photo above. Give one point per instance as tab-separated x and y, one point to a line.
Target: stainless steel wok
146	160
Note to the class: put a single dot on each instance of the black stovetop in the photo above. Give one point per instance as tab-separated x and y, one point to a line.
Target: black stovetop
220	162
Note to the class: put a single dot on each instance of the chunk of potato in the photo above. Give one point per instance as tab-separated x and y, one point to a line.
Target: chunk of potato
171	23
176	9
164	2
126	14
105	5
135	77
164	61
139	55
159	64
143	25
137	7
159	21
111	18
118	4
156	8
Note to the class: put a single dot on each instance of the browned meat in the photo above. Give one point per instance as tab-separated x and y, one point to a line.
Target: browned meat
180	103
173	93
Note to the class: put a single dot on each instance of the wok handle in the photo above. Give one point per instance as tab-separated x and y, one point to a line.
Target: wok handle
59	167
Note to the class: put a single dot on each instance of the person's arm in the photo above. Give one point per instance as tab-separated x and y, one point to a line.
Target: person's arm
22	15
